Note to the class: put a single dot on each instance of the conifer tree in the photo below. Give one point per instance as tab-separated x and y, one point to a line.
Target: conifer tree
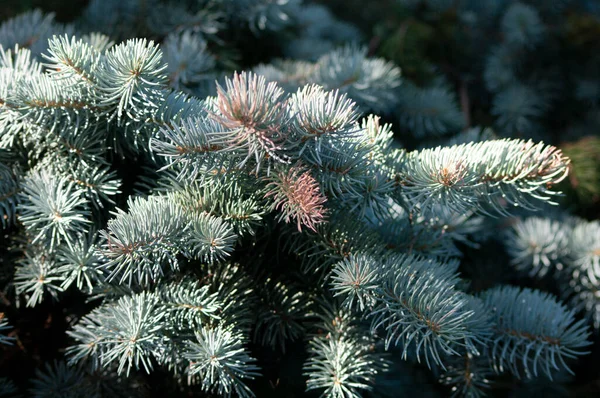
204	223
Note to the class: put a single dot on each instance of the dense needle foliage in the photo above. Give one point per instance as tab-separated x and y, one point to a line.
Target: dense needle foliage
261	198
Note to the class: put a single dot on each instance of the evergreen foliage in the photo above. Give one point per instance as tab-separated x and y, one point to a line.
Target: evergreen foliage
192	218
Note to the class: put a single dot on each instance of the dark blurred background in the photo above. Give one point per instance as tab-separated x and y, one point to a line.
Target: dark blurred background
65	10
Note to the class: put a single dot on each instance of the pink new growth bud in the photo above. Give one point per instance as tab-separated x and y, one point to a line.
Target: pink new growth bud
297	196
252	109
